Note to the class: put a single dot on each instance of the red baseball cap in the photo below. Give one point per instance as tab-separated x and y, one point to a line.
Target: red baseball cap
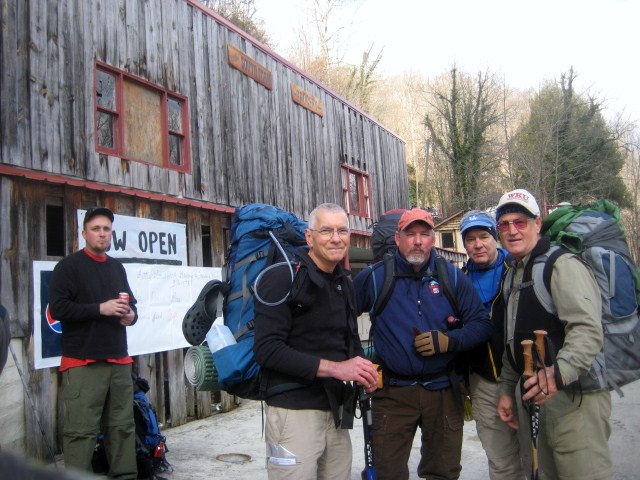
415	215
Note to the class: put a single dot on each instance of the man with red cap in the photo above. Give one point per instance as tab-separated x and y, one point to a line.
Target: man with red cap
417	337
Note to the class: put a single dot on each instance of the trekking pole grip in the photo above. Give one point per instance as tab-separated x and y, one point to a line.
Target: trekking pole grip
540	346
527	355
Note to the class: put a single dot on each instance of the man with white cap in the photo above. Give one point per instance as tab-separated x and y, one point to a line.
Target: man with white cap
417	337
574	425
486	267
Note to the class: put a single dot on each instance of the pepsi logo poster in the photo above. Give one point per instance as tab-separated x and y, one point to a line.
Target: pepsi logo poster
50	328
164	294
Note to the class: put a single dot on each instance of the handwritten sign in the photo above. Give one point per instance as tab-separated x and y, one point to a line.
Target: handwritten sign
164	294
249	67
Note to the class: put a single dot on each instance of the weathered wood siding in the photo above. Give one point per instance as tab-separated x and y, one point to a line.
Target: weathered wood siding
247	144
22	241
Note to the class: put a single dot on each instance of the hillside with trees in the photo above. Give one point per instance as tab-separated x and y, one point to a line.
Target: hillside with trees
469	135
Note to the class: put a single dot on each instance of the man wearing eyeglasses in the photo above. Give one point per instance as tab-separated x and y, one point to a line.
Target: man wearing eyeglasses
574	425
417	337
309	348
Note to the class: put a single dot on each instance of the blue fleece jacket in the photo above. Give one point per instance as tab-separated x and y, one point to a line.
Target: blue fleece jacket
486	281
418	303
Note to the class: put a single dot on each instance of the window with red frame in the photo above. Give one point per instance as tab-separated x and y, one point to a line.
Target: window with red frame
140	121
356	189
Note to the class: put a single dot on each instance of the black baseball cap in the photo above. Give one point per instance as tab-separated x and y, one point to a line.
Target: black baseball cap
94	211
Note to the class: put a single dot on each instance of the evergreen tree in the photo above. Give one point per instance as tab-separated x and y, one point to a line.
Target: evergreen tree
566	151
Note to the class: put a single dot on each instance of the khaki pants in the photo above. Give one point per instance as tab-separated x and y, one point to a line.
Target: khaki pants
305	445
574	435
499	441
99	396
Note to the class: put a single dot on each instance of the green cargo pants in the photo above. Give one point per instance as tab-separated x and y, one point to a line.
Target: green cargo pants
99	397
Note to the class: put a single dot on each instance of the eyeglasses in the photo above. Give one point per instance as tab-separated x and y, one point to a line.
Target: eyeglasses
327	233
519	223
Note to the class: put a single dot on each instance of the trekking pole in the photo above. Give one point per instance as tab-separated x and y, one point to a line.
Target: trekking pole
540	347
33	405
364	401
532	407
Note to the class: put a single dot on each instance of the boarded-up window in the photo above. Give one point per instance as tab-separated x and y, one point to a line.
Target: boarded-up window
356	198
142	128
140	121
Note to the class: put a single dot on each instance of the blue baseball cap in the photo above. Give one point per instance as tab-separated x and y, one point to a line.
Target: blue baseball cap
478	219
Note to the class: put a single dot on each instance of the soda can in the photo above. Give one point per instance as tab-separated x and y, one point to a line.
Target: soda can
124	296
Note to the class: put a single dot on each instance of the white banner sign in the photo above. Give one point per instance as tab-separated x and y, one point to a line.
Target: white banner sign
141	240
164	294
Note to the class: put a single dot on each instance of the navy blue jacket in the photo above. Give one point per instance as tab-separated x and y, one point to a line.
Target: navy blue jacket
418	303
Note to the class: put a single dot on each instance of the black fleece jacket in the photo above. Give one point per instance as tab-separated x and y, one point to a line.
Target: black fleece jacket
316	321
79	285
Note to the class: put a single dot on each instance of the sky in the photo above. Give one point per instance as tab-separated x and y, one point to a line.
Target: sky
526	42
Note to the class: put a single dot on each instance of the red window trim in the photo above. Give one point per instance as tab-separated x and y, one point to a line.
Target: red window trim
118	140
365	202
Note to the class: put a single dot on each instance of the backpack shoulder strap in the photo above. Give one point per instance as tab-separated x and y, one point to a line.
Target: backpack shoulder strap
389	265
541	276
448	288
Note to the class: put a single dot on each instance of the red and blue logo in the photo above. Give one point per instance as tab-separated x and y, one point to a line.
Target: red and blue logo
54	324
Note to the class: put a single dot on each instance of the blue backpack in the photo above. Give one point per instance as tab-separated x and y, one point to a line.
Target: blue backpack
261	236
151	445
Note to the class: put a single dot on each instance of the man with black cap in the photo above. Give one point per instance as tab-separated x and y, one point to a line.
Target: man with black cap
417	337
574	425
84	295
486	267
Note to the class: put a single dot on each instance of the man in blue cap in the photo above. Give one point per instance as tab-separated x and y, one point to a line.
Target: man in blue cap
486	267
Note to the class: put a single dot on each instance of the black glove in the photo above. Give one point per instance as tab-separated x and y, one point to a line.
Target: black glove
433	342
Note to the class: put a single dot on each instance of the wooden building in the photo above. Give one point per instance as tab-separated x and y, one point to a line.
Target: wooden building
449	240
159	109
